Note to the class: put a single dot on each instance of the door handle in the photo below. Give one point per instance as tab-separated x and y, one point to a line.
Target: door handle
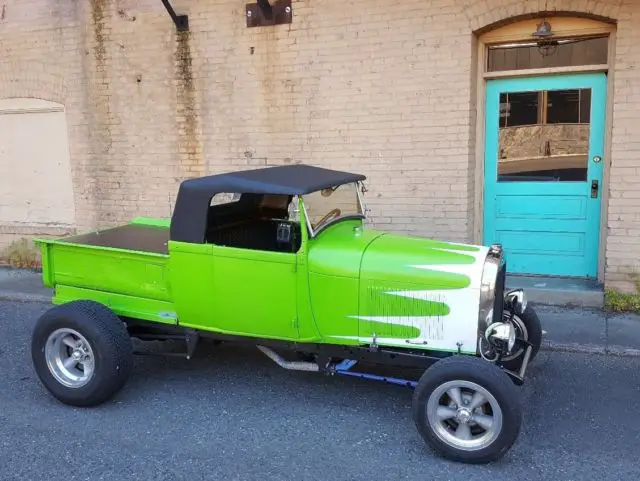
594	189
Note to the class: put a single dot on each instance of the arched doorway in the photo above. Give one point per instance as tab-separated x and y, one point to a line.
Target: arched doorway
543	143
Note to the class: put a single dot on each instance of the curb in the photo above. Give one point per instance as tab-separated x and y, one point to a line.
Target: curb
599	349
24	297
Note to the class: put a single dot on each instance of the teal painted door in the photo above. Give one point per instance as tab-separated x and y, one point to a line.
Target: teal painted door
543	172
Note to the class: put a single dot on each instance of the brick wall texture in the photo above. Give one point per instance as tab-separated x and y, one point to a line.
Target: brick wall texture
378	86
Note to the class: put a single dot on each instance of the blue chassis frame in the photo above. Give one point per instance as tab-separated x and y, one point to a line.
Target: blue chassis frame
145	330
343	368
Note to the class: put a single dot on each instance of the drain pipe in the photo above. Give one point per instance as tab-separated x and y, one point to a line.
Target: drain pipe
292	365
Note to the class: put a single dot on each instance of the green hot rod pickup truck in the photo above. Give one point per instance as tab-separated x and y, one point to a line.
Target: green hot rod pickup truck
280	258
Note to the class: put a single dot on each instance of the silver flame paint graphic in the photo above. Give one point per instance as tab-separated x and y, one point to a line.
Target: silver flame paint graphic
445	332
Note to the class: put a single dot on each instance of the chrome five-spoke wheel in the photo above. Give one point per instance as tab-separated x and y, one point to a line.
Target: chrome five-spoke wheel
69	357
464	415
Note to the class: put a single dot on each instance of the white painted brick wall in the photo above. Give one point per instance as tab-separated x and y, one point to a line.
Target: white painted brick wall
376	86
623	240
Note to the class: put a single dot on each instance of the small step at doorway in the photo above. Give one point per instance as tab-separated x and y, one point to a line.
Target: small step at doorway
558	291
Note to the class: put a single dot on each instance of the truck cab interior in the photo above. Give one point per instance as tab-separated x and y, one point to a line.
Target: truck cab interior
253	221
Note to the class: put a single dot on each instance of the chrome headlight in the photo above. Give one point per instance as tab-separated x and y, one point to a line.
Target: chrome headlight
516	301
502	336
488	286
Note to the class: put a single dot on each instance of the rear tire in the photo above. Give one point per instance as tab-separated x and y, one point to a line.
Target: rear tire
81	352
460	425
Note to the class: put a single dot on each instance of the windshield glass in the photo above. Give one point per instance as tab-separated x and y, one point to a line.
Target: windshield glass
329	204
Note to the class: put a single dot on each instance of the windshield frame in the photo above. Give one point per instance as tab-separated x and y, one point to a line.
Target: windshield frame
359	187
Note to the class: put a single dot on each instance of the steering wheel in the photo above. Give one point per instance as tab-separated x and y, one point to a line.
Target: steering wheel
332	213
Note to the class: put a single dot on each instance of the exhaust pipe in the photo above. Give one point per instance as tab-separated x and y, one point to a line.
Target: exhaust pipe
292	365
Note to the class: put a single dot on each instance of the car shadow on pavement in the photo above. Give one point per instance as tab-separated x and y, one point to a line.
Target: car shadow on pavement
226	367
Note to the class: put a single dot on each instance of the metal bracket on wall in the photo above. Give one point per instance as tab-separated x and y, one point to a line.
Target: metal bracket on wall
181	21
262	13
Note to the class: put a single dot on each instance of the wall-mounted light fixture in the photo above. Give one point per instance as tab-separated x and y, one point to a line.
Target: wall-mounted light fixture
544	30
181	21
268	12
544	33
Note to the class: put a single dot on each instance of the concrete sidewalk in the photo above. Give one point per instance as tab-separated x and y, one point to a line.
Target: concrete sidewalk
23	285
576	329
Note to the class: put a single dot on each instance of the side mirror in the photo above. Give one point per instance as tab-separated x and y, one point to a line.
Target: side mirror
294	209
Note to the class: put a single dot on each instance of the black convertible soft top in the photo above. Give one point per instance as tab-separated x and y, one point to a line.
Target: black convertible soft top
298	179
189	219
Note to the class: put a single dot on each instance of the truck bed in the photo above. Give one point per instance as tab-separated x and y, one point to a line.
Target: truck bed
133	237
125	267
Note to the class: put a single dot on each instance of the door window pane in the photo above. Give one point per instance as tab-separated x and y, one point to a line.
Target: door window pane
544	136
559	53
569	106
519	109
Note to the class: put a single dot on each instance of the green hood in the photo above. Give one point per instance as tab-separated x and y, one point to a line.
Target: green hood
428	263
346	250
410	290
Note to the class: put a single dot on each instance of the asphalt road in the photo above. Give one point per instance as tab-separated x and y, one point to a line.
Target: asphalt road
234	415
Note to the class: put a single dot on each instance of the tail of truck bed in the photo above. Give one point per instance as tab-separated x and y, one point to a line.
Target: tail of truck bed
123	267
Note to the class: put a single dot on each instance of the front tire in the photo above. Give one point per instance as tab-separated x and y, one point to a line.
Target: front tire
529	328
81	352
467	410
